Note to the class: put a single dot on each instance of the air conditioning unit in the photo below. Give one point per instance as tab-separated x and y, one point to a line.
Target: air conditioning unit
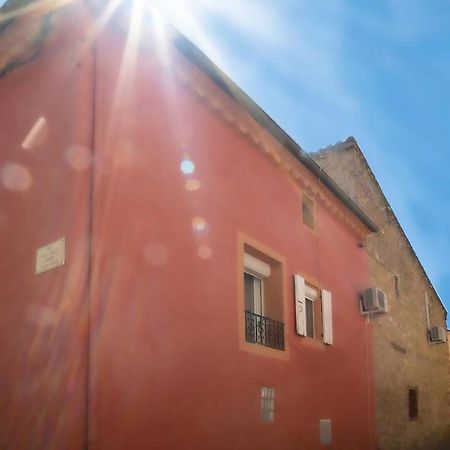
438	334
373	301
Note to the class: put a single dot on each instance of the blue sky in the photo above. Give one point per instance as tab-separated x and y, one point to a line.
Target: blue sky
328	69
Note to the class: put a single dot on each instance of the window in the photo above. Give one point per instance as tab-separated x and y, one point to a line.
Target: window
262	280
313	311
325	431
413	405
309	212
397	286
267	404
253	288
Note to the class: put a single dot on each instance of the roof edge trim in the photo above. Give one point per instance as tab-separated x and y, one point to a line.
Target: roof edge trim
197	57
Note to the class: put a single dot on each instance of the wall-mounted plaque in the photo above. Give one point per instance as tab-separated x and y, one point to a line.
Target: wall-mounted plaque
50	256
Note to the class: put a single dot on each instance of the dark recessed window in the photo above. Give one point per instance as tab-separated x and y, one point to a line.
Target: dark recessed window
413	404
309	318
397	286
309	212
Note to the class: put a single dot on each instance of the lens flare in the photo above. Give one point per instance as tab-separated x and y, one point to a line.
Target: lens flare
36	135
204	252
187	166
192	185
199	224
16	177
78	157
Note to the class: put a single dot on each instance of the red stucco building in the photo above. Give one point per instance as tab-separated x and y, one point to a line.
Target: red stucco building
205	295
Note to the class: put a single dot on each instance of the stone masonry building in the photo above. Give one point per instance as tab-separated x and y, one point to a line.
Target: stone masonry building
411	371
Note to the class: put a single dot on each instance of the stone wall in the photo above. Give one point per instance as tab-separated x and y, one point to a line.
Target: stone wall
403	356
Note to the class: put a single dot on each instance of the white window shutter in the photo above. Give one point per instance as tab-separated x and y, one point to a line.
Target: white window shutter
300	309
327	316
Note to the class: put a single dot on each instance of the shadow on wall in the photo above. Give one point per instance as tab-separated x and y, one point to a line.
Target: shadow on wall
22	35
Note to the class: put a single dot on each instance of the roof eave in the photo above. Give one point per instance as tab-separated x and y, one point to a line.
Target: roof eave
195	55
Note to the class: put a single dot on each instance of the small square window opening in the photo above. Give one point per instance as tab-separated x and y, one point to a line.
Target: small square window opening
309	212
397	286
413	404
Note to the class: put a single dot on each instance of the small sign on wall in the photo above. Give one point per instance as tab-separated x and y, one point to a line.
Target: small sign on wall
50	256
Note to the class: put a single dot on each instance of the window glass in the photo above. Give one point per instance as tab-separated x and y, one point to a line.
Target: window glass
249	293
253	288
311	306
309	318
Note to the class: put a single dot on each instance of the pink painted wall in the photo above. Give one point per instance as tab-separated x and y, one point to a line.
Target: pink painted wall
166	368
170	373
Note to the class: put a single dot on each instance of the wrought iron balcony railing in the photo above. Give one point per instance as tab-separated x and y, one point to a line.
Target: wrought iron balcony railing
263	330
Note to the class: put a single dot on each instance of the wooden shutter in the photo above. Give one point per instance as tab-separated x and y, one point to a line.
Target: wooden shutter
300	308
327	317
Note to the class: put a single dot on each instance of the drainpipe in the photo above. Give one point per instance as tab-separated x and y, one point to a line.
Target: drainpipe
90	443
370	417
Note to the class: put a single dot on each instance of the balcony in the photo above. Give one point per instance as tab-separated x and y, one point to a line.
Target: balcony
264	331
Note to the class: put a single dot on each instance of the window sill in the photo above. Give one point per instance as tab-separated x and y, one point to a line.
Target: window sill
261	350
305	341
